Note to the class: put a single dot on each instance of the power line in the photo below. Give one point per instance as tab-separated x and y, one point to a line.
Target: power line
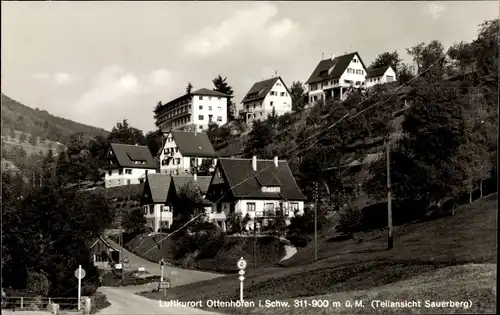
348	115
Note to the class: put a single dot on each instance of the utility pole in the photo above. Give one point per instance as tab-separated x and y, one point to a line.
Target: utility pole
316	189
255	242
389	197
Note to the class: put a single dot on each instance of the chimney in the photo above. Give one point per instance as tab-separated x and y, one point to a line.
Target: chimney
254	163
276	161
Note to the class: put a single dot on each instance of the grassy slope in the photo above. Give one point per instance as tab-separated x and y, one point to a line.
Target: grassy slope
270	251
33	121
467	237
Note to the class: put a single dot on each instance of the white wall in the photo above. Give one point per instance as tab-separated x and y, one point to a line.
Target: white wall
355	72
357	75
115	179
154	212
241	207
185	162
281	101
210	105
381	79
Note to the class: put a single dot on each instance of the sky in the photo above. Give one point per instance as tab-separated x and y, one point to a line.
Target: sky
101	62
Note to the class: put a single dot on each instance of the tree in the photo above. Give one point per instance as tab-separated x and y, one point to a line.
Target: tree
234	223
188	204
220	85
23	137
189	88
126	134
62	222
299	96
405	74
387	59
13	133
32	140
154	141
430	60
134	222
218	135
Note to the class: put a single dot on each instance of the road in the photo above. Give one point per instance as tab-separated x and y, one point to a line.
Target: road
178	276
126	302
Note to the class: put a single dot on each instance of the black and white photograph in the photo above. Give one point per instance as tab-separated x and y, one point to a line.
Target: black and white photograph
249	157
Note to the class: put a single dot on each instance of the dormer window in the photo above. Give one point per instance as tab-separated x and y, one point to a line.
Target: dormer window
271	189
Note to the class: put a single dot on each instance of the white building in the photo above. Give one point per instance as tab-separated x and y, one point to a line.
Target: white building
264	97
380	76
159	193
193	111
128	164
183	152
260	188
333	77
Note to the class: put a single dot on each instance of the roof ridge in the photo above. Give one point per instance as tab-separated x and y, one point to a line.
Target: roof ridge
249	159
132	145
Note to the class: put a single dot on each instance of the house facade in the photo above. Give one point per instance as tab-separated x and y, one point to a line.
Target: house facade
193	111
380	76
261	189
156	203
333	78
103	253
128	164
186	153
265	97
158	198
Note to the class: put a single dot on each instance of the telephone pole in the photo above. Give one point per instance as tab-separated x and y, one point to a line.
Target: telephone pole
316	189
389	198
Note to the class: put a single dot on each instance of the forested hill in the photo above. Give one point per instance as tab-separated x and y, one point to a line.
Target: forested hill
40	123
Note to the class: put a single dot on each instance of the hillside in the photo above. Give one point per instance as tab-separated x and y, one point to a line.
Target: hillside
37	130
468	237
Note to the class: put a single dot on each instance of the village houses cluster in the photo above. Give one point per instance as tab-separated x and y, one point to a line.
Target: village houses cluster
228	183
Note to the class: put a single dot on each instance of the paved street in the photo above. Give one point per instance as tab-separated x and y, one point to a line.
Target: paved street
179	276
126	302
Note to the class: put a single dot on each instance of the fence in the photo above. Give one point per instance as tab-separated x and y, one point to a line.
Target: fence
33	303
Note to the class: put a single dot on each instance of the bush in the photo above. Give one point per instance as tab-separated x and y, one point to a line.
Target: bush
210	243
37	284
99	301
350	220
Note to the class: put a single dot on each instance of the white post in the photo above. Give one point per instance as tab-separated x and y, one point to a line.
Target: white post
241	290
79	284
242	264
161	278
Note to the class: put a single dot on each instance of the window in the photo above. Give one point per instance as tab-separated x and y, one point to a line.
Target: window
390	78
151	209
161	208
177	161
294	207
271	103
219	118
200	107
110	172
250	206
273	93
283	94
200	117
141	180
128	171
278	84
128	181
219	97
120	171
269	207
210	108
201	98
145	209
355	60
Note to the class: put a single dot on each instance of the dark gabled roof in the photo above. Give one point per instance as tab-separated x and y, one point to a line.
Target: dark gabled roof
260	89
125	155
159	185
338	66
202	182
101	239
245	184
193	144
376	72
207	92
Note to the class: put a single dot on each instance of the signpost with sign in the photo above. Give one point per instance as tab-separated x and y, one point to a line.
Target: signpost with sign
242	264
79	274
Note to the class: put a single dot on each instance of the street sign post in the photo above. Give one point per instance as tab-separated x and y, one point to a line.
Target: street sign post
242	264
79	274
162	264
